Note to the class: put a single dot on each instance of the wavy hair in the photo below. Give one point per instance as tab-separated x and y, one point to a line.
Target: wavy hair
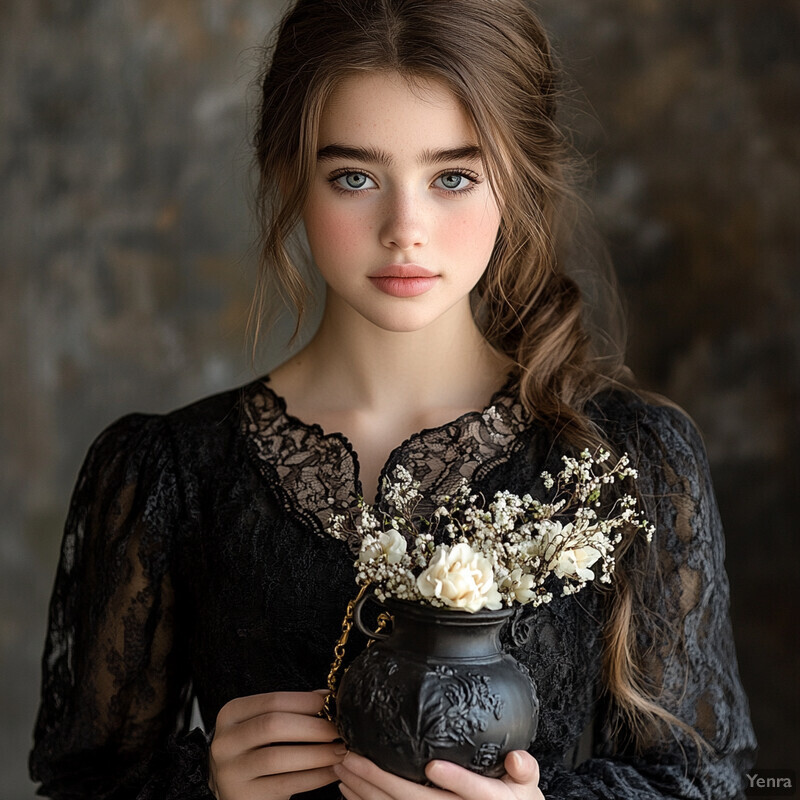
495	57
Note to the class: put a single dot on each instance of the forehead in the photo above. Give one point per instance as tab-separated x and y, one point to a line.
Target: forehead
385	109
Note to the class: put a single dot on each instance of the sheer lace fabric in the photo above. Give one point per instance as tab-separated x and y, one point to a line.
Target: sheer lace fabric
194	566
316	474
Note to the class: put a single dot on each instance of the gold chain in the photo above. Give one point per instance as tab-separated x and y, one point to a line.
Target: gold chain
328	708
338	654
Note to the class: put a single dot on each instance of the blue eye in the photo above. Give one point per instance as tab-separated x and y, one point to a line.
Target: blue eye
456	182
452	181
354	181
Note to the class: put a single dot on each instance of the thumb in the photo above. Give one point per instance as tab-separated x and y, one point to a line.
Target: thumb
522	767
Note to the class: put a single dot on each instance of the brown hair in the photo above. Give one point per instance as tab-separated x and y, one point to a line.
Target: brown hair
496	59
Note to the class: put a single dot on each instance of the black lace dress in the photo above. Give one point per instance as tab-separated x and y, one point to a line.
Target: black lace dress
194	566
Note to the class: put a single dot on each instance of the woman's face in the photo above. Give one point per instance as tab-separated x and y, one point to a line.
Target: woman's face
400	217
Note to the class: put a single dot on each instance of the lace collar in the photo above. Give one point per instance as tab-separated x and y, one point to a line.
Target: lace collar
315	474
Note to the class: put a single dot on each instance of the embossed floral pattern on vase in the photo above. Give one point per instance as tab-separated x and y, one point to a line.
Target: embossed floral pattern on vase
439	687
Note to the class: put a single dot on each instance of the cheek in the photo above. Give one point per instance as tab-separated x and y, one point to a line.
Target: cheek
472	233
333	232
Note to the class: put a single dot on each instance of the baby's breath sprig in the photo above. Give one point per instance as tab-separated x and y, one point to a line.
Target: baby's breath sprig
469	554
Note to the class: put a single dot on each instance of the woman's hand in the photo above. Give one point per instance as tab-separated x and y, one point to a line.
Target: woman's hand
363	780
249	755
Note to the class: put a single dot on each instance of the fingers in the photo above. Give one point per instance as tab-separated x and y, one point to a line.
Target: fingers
461	782
291	758
243	708
348	793
522	778
231	781
278	771
521	767
364	779
278	727
290	783
273	745
358	787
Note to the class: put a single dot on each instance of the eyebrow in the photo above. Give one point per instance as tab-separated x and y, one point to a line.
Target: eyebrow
372	155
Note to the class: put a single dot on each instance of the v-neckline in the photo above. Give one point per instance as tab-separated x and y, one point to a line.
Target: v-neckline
315	474
280	400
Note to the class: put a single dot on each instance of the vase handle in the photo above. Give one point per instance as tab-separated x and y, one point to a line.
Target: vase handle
382	619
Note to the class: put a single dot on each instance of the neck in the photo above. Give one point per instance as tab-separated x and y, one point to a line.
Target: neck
353	364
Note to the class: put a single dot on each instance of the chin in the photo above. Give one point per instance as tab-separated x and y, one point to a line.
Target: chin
407	321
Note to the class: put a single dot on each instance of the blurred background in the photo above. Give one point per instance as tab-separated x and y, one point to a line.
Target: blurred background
127	265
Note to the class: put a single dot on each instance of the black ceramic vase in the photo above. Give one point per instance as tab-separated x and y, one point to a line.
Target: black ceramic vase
439	686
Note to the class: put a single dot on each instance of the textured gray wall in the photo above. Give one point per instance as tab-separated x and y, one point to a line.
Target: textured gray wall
697	142
127	272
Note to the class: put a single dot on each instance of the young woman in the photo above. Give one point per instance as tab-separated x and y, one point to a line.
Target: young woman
415	143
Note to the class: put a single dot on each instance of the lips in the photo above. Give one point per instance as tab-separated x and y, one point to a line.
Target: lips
403	271
403	280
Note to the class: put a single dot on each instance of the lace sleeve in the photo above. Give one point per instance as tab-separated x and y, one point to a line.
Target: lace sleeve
695	668
115	687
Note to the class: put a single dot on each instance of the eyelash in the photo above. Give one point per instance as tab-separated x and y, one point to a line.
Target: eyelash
473	177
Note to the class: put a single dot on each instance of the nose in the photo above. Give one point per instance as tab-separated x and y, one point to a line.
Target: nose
404	225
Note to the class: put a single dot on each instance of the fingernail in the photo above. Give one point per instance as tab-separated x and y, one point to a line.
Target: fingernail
340	750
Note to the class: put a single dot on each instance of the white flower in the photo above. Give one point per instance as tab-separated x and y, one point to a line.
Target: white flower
460	578
390	544
520	585
553	536
576	563
371	550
